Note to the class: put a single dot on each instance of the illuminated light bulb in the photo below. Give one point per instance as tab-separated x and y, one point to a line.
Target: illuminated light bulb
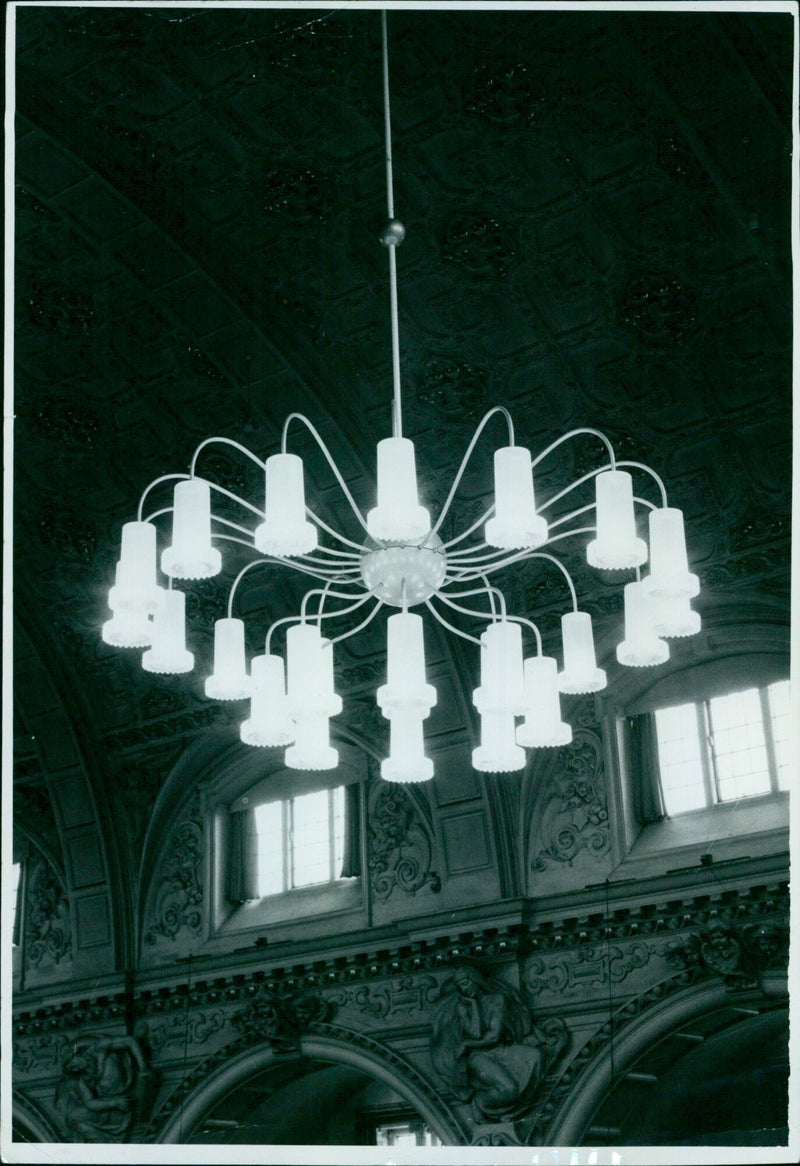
398	515
229	680
169	655
269	722
502	688
406	761
128	629
135	588
641	647
515	522
542	727
285	530
191	555
312	748
580	673
406	687
498	751
616	546
309	666
673	618
669	576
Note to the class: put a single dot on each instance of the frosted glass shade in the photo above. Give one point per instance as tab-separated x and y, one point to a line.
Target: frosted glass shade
498	751
641	647
285	530
191	555
309	666
312	748
580	673
502	688
670	577
406	687
269	722
616	546
135	588
406	761
229	680
128	629
515	522
398	517
168	655
673	618
542	726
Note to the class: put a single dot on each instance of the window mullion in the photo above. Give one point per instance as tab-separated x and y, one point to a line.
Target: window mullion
332	834
707	758
769	739
288	844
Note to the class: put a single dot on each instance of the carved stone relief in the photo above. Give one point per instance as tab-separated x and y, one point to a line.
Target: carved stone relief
586	967
400	852
178	899
48	928
280	1019
489	1049
105	1086
574	816
402	997
739	954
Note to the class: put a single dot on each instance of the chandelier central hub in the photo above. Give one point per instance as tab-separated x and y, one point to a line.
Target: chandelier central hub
417	570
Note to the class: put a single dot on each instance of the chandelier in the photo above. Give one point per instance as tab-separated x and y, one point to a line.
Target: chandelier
399	560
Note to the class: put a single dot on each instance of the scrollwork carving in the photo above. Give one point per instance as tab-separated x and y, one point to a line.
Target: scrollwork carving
739	954
575	816
48	928
589	965
280	1019
399	847
179	897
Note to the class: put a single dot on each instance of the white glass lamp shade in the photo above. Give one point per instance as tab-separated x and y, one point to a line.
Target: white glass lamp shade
616	546
191	555
406	761
309	666
641	648
515	522
168	653
498	751
229	680
285	530
312	748
670	577
135	588
673	618
502	688
128	629
269	722
542	726
406	687
398	517
580	673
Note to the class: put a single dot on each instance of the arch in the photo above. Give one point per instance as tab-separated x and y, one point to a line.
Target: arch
26	1113
602	1073
353	1050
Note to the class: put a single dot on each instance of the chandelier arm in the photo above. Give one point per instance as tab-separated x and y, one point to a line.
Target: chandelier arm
158	514
574	486
325	593
491	615
564	572
363	624
456	631
334	533
224	441
461	469
529	624
576	433
157	482
465	534
336	472
473	591
233	497
476	561
235	584
337	553
653	474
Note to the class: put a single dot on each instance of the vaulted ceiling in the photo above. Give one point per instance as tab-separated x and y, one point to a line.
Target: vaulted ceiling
597	208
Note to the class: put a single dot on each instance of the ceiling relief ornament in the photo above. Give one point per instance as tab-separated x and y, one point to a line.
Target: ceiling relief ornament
739	954
280	1019
489	1049
399	846
177	903
573	815
48	928
105	1087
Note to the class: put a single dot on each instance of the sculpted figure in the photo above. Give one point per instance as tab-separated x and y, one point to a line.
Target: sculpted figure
487	1047
95	1096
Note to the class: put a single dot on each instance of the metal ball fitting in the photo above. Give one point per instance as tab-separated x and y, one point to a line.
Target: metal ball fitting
393	233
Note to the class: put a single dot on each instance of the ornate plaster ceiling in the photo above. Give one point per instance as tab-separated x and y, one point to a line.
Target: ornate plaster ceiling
598	219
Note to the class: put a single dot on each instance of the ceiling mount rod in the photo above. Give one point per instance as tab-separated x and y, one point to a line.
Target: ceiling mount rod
391	237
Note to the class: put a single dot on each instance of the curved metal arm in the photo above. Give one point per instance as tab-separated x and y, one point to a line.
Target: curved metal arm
576	433
456	631
481	426
157	482
336	472
363	624
224	441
